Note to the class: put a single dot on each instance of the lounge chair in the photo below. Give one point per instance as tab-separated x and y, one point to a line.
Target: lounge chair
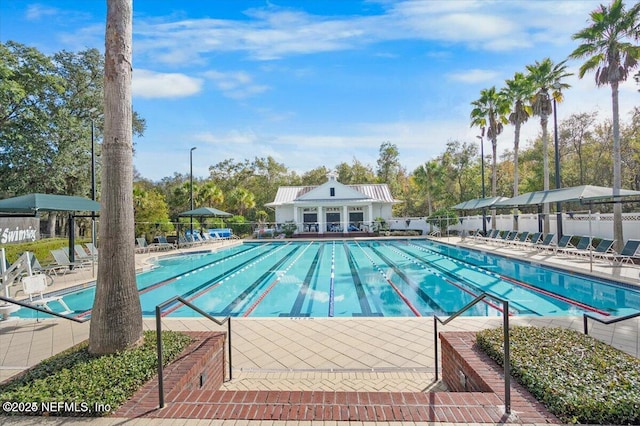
563	243
603	248
491	236
545	243
34	287
626	255
92	250
82	255
581	249
521	239
530	241
144	247
62	259
163	243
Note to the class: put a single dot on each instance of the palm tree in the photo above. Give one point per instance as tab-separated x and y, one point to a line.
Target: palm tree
490	113
242	200
116	318
608	47
210	194
545	77
518	91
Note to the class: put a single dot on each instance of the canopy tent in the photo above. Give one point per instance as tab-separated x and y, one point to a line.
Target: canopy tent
478	203
583	193
32	203
205	211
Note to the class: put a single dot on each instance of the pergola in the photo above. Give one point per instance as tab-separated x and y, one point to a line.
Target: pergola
585	194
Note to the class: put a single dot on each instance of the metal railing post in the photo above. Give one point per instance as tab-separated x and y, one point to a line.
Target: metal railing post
229	342
159	338
507	358
159	350
506	343
435	342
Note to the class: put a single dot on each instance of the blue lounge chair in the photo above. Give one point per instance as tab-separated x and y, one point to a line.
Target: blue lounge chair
628	254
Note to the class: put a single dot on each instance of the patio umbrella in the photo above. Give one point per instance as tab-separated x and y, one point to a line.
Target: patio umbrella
205	211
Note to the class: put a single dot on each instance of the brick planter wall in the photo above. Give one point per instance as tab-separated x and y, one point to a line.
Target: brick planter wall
200	367
462	365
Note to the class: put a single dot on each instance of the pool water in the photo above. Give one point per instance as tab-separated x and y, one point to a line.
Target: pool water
368	278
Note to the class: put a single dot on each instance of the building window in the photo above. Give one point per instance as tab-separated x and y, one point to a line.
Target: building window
332	192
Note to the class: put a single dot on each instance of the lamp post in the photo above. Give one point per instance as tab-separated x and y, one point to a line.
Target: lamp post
191	183
93	185
556	86
484	211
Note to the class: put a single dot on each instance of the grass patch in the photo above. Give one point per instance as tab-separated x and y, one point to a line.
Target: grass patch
578	378
88	385
41	248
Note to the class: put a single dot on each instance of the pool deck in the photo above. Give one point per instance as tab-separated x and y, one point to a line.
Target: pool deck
330	354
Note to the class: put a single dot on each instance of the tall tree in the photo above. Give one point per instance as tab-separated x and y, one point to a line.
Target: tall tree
518	91
116	318
389	167
546	76
490	113
607	45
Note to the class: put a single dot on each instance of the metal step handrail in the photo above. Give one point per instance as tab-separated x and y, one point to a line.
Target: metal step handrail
507	360
159	308
586	316
46	311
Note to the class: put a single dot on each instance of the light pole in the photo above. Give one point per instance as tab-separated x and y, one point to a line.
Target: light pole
556	86
93	185
484	211
191	183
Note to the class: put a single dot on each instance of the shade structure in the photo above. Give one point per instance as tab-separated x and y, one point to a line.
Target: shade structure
205	211
478	203
583	193
33	203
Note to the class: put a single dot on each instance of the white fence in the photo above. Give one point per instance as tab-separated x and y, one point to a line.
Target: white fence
599	225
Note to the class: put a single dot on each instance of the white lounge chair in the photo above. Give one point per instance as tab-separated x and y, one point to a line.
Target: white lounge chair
34	287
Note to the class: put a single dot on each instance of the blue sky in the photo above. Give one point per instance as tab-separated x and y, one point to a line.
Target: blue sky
317	83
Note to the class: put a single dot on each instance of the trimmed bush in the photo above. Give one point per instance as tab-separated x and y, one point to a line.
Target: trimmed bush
578	378
98	383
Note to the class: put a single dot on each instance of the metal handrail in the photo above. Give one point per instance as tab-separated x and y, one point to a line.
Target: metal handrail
586	316
507	357
159	307
46	311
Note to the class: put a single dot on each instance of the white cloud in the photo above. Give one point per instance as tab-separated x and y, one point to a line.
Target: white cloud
36	12
236	84
150	84
474	76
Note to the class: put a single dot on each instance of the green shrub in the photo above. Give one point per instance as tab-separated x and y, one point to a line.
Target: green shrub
578	378
76	376
41	248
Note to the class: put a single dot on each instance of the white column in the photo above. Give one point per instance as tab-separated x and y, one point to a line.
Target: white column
321	225
295	217
345	218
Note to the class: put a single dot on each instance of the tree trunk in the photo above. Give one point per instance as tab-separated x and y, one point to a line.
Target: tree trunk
494	178
617	170
116	318
544	119
516	146
51	226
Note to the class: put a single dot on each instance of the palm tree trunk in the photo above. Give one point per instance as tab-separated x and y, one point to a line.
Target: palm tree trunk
544	119
617	169
494	178
116	318
516	177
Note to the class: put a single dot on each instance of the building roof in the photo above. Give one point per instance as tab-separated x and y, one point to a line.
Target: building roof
369	192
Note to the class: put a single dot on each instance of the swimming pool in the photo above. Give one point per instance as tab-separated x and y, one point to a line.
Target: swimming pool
363	278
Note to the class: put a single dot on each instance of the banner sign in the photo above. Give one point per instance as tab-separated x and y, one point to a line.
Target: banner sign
19	229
